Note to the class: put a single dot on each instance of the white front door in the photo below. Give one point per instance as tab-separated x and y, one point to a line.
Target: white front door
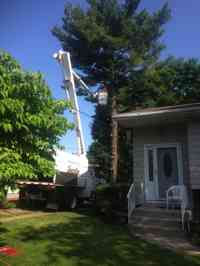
167	169
163	169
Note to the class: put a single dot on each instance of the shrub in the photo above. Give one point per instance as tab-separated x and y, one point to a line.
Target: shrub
111	198
2	198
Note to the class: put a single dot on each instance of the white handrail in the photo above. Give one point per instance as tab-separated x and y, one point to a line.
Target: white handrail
174	193
131	196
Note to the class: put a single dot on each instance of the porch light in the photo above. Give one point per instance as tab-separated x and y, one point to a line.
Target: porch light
103	96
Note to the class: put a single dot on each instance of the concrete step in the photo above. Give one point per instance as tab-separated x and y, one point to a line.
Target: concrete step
161	226
161	221
158	213
166	238
156	221
156	232
156	204
162	204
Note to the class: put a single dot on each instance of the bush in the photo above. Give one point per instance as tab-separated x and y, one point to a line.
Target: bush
9	205
2	198
111	198
4	203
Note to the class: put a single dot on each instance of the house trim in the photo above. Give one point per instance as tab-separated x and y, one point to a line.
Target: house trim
159	111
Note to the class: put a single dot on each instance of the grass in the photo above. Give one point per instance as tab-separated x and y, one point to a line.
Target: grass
75	239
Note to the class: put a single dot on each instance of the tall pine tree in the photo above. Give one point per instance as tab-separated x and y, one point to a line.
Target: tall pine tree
112	41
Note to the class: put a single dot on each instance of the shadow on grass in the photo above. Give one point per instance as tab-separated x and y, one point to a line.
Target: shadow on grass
89	242
3	231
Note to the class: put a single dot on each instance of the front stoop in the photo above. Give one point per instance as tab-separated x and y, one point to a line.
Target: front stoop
161	226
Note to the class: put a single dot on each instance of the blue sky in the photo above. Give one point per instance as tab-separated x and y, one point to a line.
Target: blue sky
25	32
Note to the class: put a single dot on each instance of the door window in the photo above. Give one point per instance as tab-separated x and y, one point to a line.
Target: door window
150	164
167	165
150	179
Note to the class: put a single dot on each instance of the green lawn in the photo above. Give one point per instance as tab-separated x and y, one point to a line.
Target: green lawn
73	239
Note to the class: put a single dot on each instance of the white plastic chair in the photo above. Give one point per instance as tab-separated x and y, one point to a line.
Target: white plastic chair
174	193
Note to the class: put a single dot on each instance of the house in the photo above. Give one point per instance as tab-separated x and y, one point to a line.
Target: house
166	153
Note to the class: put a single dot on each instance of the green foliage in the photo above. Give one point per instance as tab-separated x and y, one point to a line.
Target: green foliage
170	82
31	123
5	204
125	150
112	42
111	198
2	198
180	81
99	152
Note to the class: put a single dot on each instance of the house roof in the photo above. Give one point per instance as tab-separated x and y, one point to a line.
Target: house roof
151	116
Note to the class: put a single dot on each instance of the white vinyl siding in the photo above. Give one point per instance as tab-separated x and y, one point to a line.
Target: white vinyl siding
194	154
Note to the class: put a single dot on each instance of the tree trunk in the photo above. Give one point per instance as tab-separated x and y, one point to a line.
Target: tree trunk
114	136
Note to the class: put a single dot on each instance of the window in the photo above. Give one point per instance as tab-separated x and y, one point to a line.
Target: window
167	165
150	164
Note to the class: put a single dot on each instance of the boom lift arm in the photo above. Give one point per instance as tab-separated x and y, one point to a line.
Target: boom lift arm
69	76
69	85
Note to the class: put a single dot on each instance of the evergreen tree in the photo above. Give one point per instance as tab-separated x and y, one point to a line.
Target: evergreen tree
31	123
179	81
112	42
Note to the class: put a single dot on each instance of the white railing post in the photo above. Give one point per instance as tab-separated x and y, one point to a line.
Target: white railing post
131	196
185	208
